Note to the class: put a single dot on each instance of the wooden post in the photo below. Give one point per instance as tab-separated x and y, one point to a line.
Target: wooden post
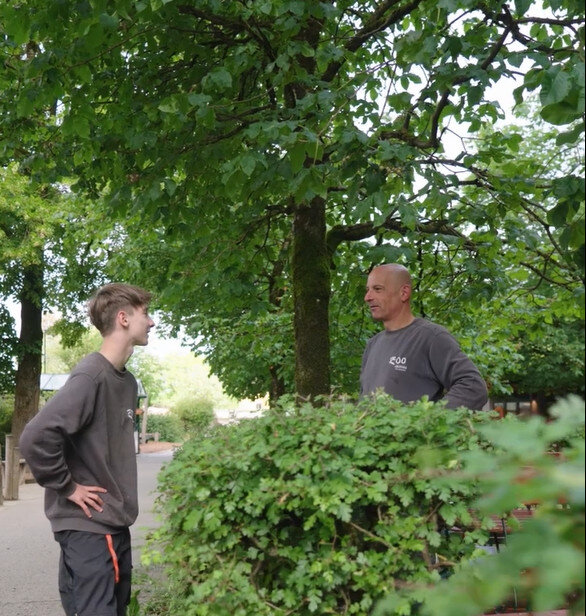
16	472
143	426
12	469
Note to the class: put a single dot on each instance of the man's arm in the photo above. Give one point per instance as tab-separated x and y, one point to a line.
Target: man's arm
461	379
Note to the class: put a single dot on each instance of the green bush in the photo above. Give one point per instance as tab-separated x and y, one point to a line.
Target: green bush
6	410
195	412
168	426
316	510
542	565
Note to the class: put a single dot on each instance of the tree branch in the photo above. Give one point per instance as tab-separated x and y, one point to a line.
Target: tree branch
433	141
379	20
340	233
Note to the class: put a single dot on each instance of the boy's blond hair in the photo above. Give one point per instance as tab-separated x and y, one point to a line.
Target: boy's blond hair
109	299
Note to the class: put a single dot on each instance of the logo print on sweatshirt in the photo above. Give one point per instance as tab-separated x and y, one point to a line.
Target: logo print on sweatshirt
130	413
400	363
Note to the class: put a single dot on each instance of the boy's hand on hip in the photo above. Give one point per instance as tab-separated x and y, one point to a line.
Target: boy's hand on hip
86	497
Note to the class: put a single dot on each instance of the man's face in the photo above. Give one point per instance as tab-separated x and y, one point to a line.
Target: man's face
139	325
383	295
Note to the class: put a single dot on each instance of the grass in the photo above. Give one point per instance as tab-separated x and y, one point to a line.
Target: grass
151	596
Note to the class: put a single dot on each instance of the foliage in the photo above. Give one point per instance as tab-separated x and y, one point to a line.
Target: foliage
6	408
150	370
543	561
25	223
50	227
316	510
168	425
214	128
63	353
195	413
187	375
8	344
553	360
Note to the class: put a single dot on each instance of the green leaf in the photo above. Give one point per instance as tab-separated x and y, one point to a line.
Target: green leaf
18	28
247	163
109	21
297	155
556	88
560	113
559	214
572	136
474	95
408	215
522	6
219	78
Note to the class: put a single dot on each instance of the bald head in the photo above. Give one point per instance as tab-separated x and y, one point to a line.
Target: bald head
388	293
395	273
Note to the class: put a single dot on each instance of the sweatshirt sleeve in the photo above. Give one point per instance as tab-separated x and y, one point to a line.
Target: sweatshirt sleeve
44	438
462	382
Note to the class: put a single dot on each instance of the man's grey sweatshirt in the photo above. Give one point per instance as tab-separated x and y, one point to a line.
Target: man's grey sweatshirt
422	359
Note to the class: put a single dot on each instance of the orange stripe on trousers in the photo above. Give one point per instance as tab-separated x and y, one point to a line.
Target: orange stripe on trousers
114	558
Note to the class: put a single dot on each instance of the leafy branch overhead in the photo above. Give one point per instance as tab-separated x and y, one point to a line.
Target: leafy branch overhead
261	156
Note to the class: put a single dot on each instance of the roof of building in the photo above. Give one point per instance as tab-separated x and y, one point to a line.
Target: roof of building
53	382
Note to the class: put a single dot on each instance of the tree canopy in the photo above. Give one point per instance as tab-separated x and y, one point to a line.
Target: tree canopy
262	155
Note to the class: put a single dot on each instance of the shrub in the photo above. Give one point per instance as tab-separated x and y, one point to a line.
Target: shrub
316	510
543	562
195	412
168	426
6	410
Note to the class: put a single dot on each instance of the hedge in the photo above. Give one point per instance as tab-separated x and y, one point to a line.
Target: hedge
318	509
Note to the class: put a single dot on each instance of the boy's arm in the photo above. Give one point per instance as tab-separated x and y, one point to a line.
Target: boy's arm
43	439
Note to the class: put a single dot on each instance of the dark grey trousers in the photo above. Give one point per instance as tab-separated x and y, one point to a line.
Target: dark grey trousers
95	573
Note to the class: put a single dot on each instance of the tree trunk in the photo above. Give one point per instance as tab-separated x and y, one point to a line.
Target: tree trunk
311	295
277	386
276	292
28	373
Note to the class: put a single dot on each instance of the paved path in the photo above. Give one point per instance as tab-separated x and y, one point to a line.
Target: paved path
29	555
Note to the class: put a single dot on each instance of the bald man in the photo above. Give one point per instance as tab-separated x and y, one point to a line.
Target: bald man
413	357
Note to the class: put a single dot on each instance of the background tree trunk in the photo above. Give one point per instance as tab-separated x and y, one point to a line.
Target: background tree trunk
311	294
28	373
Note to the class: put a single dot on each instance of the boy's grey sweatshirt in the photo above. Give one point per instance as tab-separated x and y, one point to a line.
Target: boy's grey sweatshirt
85	434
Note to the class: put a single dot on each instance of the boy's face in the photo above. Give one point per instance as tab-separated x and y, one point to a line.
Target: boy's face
139	325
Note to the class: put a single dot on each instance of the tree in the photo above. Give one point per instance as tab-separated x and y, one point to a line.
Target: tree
553	362
22	259
37	225
251	142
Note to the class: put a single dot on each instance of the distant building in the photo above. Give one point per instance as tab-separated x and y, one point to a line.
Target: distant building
246	409
54	382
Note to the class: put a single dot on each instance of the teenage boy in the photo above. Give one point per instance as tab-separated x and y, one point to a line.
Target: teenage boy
80	447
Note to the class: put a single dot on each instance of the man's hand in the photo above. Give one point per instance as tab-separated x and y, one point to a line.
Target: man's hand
86	497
